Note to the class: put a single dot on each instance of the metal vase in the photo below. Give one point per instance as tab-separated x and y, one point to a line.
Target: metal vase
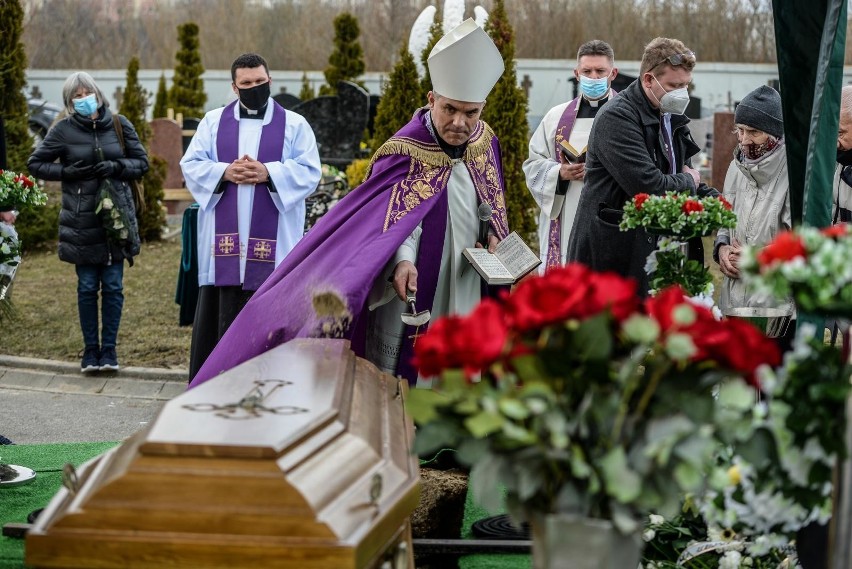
563	541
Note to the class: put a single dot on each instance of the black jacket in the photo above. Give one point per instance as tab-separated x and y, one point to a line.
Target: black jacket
82	239
626	157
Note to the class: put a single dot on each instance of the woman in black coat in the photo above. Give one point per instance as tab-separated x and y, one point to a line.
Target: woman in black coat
89	154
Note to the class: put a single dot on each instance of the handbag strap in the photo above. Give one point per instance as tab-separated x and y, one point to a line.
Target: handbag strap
119	131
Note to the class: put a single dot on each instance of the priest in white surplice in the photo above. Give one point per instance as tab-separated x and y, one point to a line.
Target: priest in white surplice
250	167
554	180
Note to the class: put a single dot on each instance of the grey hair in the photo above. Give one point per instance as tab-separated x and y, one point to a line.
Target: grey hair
75	81
846	101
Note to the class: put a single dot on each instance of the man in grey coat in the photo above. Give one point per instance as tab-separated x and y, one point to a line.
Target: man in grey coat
639	143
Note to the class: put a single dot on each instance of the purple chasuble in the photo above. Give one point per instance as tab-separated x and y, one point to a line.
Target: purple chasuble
263	228
563	132
346	251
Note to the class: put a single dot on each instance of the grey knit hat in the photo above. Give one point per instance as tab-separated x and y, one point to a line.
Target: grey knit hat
761	109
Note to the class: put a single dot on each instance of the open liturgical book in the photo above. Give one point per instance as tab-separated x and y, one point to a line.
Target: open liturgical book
571	154
511	260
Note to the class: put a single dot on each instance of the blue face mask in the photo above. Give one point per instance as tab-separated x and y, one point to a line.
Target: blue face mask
86	106
594	88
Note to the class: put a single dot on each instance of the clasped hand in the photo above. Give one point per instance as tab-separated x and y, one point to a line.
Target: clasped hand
569	171
729	259
246	170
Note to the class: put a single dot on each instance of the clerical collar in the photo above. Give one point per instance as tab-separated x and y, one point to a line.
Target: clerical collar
250	114
597	102
454	152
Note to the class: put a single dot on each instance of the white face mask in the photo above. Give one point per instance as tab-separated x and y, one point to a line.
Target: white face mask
674	102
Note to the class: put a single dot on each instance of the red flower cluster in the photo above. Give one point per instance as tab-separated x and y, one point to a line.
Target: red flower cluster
574	292
835	231
27	182
786	246
732	343
726	203
691	205
639	199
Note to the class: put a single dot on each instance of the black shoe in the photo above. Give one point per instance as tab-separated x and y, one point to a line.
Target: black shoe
91	359
108	361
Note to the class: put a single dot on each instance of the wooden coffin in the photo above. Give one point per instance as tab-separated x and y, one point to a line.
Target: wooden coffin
298	458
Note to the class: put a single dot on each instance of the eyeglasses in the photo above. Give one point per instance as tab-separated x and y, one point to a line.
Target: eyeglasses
677	59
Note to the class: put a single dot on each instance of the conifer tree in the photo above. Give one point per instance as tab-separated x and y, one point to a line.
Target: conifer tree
346	62
13	103
436	31
187	95
307	92
401	96
506	113
161	102
134	103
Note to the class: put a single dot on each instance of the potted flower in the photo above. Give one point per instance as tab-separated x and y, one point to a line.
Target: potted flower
590	410
678	217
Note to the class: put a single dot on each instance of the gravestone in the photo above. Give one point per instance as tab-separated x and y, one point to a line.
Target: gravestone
190	125
166	143
338	122
287	100
724	142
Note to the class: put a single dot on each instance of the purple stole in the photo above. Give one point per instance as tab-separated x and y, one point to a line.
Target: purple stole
563	132
263	229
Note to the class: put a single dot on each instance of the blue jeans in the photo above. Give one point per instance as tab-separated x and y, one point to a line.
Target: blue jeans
107	279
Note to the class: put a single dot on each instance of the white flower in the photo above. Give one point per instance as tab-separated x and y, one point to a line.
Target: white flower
118	224
730	560
648	535
656	520
107	203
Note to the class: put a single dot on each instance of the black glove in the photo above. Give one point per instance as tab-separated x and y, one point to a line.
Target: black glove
108	169
77	171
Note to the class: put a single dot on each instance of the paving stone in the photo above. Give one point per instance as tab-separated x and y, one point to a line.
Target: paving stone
171	390
126	387
78	383
25	379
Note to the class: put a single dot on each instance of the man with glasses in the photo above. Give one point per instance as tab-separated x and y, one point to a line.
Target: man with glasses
555	175
640	143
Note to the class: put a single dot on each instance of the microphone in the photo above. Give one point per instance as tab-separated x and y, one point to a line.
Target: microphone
484	213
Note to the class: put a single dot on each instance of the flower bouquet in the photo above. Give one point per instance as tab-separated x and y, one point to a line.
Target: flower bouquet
679	217
588	403
777	476
114	219
812	266
20	191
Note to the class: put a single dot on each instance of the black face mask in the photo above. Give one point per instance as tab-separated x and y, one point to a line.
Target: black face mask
844	157
255	97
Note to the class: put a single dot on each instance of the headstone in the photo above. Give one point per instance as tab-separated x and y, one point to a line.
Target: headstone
338	122
190	125
117	96
166	143
287	100
525	85
724	142
35	92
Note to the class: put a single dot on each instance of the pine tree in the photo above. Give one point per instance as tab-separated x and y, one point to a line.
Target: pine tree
401	96
307	92
346	62
161	102
13	103
187	95
133	107
506	113
436	31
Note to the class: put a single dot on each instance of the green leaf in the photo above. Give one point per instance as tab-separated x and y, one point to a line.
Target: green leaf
621	483
484	423
434	436
471	451
529	368
513	408
422	404
688	477
735	394
593	339
519	434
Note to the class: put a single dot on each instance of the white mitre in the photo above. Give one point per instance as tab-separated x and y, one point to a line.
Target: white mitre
465	64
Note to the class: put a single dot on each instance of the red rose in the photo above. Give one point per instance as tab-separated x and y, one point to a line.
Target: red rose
639	199
471	342
727	205
614	292
558	295
785	247
690	206
28	182
661	306
835	231
746	350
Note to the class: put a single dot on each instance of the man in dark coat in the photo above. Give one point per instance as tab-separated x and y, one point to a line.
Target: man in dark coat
640	143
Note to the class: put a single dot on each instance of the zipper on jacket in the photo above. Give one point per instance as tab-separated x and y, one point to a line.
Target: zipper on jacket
79	198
